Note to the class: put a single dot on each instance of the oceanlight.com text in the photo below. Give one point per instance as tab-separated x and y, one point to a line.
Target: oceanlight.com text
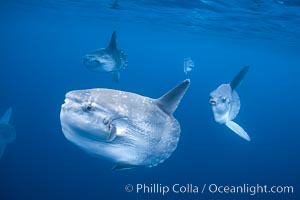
247	189
250	189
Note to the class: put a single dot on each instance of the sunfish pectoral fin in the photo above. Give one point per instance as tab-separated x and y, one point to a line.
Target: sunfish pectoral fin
113	41
2	147
238	78
6	117
238	130
123	167
116	76
171	99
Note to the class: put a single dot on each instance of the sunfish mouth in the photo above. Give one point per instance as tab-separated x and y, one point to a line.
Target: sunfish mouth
212	102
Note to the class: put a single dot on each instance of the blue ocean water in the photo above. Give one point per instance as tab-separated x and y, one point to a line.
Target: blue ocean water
42	45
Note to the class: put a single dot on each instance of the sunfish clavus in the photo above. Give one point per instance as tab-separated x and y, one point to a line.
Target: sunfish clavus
225	103
126	128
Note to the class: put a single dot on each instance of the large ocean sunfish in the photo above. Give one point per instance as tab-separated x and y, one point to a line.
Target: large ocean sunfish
111	59
7	131
225	103
126	128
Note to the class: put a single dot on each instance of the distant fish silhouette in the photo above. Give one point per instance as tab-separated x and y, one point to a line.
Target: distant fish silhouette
115	4
110	59
7	131
225	103
188	65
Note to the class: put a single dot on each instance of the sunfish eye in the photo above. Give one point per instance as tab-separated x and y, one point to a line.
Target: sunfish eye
106	121
88	107
224	99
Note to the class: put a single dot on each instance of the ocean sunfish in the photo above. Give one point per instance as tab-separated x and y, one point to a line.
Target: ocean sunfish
188	65
7	131
110	59
225	103
126	128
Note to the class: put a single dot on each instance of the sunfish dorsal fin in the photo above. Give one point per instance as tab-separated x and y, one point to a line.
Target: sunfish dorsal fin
6	117
238	130
238	78
113	41
2	147
171	99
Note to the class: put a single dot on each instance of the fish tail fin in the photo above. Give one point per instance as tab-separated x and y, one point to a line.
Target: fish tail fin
239	77
238	130
6	117
2	147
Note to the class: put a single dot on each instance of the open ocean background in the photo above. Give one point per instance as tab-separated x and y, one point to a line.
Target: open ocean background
41	48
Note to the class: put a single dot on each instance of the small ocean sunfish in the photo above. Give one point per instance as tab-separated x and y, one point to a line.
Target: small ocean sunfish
7	131
225	103
110	59
188	65
126	128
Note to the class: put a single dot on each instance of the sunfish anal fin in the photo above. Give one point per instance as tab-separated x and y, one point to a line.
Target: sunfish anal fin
116	76
113	41
2	147
6	117
123	167
238	78
238	130
171	99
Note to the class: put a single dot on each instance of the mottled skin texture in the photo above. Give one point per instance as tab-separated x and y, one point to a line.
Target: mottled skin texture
125	128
